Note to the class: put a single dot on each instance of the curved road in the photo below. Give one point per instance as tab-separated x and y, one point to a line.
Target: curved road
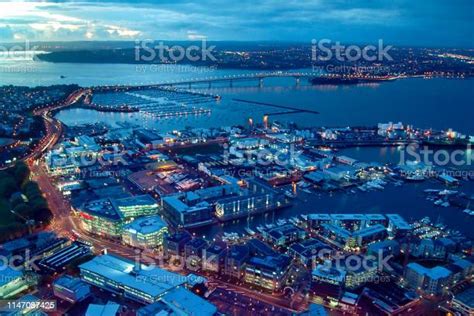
65	224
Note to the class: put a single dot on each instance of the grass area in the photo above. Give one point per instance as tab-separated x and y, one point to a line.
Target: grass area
24	197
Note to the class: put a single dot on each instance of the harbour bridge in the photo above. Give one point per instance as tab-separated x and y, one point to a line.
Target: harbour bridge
258	77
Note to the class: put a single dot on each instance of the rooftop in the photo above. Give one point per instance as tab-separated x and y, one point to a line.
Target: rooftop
152	281
437	272
102	208
109	309
68	282
368	231
275	263
146	225
188	303
466	297
398	221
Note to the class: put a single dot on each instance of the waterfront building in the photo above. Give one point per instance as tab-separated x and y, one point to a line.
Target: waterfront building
397	226
384	248
374	219
256	198
340	173
336	233
432	248
315	221
71	289
267	272
309	251
226	202
174	244
391	130
316	177
358	238
135	281
284	235
429	280
350	222
183	210
369	234
145	232
345	160
235	260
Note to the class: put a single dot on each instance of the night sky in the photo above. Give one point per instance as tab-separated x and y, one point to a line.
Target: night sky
439	23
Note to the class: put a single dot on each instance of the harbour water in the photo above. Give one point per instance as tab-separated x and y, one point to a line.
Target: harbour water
436	103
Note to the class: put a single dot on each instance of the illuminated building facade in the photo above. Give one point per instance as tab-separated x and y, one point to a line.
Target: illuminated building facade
269	272
145	232
107	217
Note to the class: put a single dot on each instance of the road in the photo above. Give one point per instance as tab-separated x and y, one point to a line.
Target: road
66	224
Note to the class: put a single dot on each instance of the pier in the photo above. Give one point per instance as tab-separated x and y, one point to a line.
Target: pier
291	109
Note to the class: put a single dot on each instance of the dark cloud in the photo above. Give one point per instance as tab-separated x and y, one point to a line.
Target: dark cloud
427	22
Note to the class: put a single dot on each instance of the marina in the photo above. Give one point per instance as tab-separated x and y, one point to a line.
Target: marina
157	102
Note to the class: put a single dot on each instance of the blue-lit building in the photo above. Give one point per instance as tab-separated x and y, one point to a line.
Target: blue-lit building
107	217
174	244
134	281
145	232
214	257
284	235
268	272
193	251
235	260
71	289
429	280
257	198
